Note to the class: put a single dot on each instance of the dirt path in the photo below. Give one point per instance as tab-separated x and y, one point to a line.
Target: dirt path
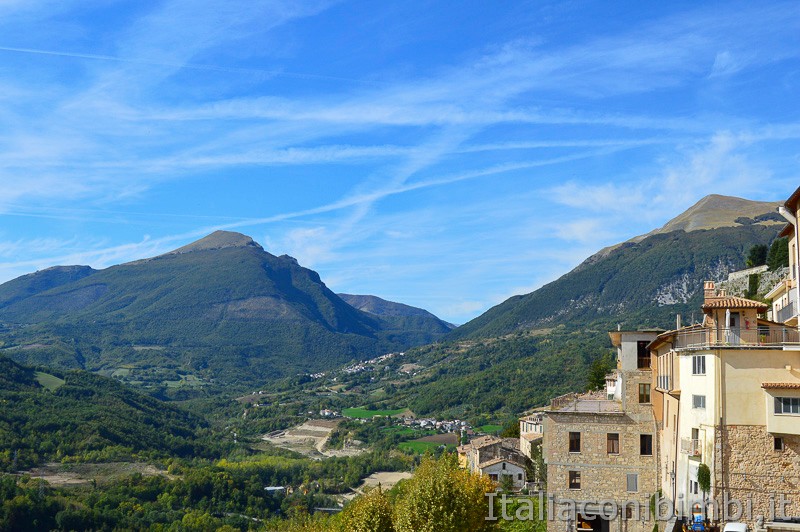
65	475
310	439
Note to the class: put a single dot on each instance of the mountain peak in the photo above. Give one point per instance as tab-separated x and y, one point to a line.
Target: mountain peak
715	211
218	240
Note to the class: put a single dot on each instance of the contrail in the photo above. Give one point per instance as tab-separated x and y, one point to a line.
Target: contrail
213	68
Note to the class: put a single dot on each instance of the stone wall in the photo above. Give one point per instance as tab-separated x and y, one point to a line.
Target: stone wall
603	475
748	467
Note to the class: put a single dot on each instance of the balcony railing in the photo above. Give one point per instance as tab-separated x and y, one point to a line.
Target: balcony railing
790	310
767	336
691	447
786	313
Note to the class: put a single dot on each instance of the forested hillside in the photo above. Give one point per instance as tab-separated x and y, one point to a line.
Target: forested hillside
221	310
78	416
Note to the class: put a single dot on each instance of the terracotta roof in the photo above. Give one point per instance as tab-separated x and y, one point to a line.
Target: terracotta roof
781	385
734	302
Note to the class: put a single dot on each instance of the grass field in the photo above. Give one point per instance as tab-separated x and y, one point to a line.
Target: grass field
363	413
51	382
419	447
490	429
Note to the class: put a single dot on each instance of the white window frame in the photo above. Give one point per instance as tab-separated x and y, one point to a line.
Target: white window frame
787	406
698	364
699	401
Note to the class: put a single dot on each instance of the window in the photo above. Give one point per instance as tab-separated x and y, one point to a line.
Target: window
612	443
633	482
519	476
574	480
699	365
646	444
574	442
642	355
698	401
644	393
778	444
787	405
493	477
693	487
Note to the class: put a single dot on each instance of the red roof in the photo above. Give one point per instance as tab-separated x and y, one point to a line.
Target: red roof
781	385
734	302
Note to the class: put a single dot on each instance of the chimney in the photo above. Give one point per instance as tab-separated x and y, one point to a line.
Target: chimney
709	290
677	322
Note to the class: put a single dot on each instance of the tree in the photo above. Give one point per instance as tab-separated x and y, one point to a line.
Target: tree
441	497
507	483
778	256
600	367
371	512
511	430
757	256
704	479
540	468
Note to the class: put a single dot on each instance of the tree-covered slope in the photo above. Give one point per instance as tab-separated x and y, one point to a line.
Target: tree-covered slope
416	325
41	281
221	308
76	415
645	281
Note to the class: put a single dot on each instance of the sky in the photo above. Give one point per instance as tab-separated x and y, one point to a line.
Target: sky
446	155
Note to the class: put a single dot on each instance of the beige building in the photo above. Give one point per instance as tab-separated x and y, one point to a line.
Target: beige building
601	448
727	395
785	296
531	430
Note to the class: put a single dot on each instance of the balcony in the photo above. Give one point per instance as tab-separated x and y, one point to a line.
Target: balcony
763	336
691	447
790	310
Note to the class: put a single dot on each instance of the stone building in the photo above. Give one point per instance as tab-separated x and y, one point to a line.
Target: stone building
496	458
727	395
601	448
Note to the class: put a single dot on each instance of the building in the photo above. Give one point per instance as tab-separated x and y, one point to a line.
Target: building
786	296
727	395
531	429
496	458
601	447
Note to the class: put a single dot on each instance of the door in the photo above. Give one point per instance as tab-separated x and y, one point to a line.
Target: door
735	328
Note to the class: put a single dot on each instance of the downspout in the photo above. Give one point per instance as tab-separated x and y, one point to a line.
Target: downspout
721	417
793	220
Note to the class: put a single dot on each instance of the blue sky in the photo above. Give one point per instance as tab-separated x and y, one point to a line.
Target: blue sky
443	154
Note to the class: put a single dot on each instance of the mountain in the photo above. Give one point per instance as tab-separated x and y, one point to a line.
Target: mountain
403	317
537	346
644	280
712	212
82	416
221	308
33	283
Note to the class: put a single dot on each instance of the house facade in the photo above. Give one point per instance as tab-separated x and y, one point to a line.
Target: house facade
724	394
602	451
496	458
